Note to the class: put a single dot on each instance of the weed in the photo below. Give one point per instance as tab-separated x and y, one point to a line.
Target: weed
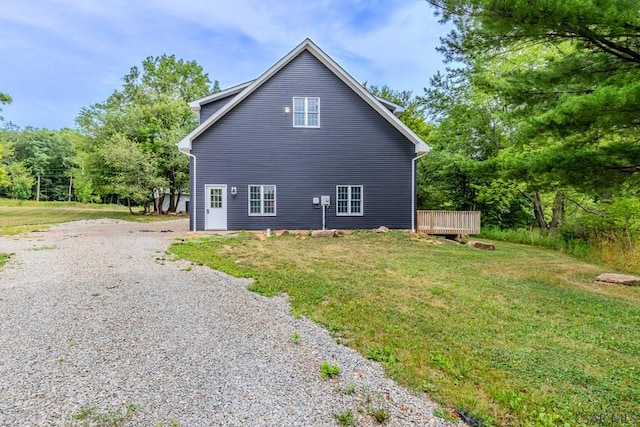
443	413
380	354
172	423
349	389
89	415
379	414
295	337
328	370
345	418
4	258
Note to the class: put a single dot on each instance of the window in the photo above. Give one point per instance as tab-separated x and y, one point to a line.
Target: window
262	200
216	197
349	200
306	112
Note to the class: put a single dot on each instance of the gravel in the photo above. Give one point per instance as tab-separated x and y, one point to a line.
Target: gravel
95	319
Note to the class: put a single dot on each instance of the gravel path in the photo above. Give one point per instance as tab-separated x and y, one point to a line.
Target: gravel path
93	319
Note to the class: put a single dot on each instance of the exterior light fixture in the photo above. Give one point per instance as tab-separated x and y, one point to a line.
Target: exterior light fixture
234	191
287	110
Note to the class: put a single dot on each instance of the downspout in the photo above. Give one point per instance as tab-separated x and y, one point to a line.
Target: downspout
195	188
413	191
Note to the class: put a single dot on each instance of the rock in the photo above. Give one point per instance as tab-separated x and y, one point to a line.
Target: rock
382	229
481	245
619	279
324	233
261	236
280	233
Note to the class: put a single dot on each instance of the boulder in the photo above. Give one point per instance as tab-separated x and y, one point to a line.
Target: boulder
382	229
282	233
481	245
324	233
619	279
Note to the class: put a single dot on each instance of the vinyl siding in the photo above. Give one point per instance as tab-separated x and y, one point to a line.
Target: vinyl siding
256	143
207	110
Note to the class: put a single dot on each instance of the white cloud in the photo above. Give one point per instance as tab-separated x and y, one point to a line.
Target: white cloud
86	46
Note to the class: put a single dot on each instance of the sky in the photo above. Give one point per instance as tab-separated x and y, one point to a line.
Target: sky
57	56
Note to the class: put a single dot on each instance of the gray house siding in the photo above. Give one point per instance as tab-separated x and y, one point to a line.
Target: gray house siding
256	143
209	109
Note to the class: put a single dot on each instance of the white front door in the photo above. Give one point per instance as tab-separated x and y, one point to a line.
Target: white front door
215	207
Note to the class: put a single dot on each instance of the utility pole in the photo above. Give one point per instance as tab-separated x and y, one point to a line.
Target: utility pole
38	190
70	184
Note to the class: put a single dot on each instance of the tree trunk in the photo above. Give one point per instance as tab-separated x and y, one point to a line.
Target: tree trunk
558	212
538	210
179	194
129	205
173	204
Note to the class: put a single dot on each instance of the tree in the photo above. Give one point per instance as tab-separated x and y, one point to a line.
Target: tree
47	154
4	99
578	98
151	112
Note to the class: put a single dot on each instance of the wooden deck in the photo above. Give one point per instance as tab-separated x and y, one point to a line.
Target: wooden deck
448	222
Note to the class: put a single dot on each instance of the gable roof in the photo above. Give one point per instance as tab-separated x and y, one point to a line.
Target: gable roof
242	91
197	104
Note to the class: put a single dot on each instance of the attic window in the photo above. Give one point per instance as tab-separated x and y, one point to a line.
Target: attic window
306	112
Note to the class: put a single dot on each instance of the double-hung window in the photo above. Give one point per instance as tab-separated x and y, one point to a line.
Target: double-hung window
262	200
306	112
349	200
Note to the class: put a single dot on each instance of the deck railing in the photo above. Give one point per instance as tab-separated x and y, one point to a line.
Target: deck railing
448	222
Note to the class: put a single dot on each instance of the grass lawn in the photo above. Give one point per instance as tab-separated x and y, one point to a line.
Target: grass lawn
519	336
17	217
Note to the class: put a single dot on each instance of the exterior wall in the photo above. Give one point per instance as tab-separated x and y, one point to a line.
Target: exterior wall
256	143
207	110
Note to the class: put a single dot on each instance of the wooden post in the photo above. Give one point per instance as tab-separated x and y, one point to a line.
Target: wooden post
38	190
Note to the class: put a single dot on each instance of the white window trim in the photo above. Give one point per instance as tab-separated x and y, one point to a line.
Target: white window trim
361	213
275	200
306	111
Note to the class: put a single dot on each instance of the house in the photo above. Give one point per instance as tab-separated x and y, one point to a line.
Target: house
303	146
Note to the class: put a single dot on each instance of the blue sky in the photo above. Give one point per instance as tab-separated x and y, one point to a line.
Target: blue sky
57	56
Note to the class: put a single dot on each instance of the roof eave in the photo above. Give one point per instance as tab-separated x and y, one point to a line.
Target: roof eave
331	65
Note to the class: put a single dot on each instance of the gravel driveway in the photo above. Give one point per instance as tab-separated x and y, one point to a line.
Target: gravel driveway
93	318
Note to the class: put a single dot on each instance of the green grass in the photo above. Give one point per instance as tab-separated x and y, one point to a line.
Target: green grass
4	258
89	415
30	216
518	336
621	251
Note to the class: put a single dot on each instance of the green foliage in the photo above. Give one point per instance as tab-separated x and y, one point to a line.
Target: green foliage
379	414
89	415
569	80
327	370
20	181
380	354
4	258
4	99
30	153
345	418
151	113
